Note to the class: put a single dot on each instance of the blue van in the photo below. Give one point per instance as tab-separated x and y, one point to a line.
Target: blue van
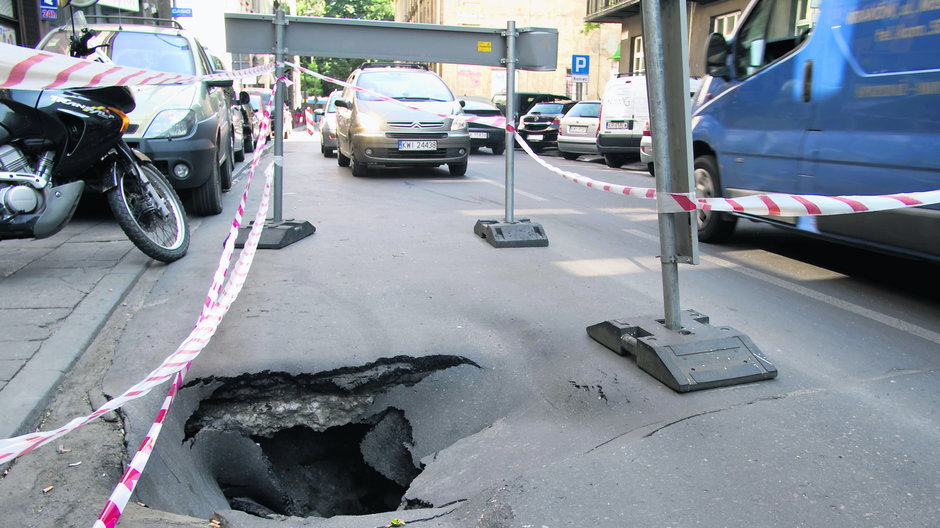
826	97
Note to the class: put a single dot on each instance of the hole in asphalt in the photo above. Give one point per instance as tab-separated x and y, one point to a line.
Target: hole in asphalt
310	445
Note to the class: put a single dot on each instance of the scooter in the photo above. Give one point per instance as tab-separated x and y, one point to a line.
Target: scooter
55	145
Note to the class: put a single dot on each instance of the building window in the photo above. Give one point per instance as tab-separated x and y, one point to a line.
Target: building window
726	23
639	65
806	13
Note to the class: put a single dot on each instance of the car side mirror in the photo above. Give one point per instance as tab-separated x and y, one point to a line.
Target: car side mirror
318	111
342	103
716	56
244	98
222	83
462	103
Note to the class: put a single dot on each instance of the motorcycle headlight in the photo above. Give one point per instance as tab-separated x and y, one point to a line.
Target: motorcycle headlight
368	123
458	123
172	124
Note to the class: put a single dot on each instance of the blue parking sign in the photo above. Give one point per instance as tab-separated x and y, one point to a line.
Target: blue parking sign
48	9
580	64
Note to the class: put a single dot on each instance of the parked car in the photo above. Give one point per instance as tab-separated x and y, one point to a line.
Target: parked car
577	132
539	127
259	98
185	129
328	125
483	135
372	132
237	140
251	123
524	101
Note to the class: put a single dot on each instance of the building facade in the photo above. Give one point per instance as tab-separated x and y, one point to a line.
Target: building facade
705	17
575	37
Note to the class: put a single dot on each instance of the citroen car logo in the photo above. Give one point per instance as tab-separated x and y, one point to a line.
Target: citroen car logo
416	125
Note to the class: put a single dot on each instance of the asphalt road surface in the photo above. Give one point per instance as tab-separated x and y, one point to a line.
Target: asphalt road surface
463	376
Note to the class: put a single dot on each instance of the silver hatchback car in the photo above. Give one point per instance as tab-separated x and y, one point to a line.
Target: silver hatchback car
372	132
577	132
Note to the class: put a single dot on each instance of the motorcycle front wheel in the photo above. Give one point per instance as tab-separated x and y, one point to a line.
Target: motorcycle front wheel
150	213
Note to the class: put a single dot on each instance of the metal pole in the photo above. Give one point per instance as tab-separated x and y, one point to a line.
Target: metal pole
277	114
655	77
510	114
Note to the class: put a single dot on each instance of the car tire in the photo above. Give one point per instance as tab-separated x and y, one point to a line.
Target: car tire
650	169
359	170
498	149
341	159
206	200
613	161
238	153
570	156
248	144
713	226
457	169
227	167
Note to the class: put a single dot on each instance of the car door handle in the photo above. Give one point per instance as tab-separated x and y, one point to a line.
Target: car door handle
807	81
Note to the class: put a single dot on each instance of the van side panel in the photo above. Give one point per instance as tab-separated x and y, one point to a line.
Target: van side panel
876	116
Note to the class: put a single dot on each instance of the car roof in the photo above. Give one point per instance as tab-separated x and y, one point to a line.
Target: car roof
141	28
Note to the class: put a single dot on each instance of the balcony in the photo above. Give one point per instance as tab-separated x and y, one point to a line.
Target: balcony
611	10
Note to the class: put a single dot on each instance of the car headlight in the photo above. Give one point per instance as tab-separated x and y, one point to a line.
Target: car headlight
368	123
458	123
171	124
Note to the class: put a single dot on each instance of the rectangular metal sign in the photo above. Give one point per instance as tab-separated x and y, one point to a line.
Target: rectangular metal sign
580	64
181	12
536	48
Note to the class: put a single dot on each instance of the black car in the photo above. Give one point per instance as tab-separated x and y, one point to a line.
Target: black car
482	135
539	127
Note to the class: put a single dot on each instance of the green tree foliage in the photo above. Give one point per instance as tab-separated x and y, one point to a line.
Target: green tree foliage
334	67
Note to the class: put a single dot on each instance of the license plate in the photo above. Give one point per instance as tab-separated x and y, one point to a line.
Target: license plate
479	135
417	145
620	125
577	129
536	137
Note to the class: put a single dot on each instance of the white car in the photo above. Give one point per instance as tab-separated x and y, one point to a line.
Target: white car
646	148
577	132
328	125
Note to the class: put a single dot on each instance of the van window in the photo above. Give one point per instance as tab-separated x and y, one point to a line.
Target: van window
773	29
150	51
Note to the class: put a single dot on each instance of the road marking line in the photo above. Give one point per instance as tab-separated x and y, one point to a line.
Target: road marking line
894	322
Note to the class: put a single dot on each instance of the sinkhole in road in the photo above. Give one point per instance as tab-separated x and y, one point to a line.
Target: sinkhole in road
308	445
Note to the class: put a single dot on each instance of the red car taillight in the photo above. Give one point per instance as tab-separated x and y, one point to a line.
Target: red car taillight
646	130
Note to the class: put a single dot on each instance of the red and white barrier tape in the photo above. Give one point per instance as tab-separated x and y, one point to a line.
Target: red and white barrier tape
308	120
214	310
31	69
774	204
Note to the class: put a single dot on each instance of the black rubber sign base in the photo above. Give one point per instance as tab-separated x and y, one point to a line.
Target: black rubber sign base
697	356
277	235
520	233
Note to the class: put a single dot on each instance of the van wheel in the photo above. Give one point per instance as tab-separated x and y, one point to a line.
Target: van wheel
649	168
613	160
571	156
713	226
341	160
498	149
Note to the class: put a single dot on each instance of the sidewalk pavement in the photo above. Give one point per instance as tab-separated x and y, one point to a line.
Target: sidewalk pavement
57	294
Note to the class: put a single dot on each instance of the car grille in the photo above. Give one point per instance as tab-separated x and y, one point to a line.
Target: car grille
416	125
536	127
414	154
404	135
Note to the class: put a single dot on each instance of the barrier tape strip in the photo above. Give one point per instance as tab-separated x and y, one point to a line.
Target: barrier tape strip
31	69
214	310
773	204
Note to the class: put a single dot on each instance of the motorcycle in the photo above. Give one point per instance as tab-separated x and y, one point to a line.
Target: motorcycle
57	144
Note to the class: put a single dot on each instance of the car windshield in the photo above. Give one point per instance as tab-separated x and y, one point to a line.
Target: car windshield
480	107
585	110
548	108
404	85
331	105
150	51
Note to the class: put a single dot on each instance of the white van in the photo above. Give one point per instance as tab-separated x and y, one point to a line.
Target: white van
624	110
